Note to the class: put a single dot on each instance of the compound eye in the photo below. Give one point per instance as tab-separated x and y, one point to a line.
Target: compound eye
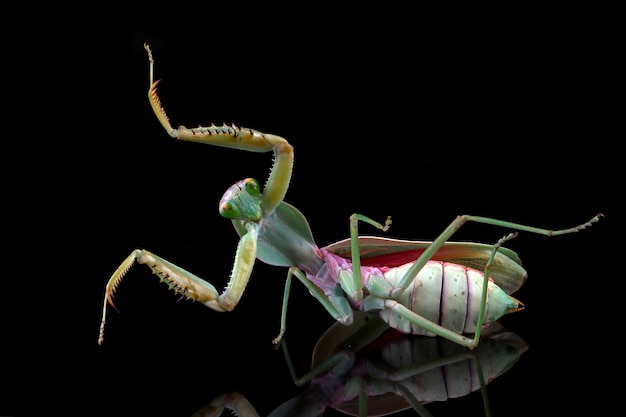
252	187
229	210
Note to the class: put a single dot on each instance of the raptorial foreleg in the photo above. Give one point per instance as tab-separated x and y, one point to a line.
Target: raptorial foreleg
237	138
187	284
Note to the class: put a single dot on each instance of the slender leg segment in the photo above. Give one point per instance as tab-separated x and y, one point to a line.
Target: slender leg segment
336	304
353	285
461	220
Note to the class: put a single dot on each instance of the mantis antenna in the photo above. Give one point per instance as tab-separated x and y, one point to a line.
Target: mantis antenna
147	48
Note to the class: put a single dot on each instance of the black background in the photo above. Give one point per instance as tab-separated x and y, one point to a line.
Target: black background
388	114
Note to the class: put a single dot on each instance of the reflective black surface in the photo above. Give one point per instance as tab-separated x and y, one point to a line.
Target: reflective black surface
383	123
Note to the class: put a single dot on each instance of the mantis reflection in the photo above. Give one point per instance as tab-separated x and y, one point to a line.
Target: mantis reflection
368	369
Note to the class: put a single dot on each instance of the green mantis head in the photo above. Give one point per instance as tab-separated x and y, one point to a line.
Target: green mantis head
242	201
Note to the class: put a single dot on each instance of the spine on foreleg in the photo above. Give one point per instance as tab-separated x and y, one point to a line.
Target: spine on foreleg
447	294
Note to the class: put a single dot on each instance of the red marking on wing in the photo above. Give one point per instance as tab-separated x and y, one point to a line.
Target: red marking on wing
392	260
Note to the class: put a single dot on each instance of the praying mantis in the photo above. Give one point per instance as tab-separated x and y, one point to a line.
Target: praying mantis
438	288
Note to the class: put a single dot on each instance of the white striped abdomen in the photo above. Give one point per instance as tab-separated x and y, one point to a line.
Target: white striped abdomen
447	294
